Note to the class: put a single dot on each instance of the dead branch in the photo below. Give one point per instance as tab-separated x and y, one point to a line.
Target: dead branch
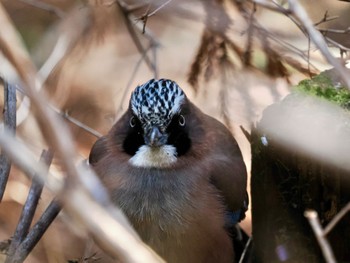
336	219
10	122
64	44
326	18
299	16
148	14
320	236
80	124
36	233
45	6
128	17
108	225
28	211
300	13
246	247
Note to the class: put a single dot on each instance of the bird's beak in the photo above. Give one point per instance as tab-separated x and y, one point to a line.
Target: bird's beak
154	137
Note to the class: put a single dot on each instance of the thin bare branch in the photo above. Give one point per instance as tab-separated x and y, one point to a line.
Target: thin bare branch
52	127
28	209
158	8
64	44
148	14
300	13
10	122
45	6
336	219
336	31
272	6
127	18
81	125
108	225
320	236
24	159
325	19
36	233
246	247
336	44
131	79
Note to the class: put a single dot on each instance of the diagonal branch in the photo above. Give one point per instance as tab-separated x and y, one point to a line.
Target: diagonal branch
28	209
45	6
336	219
320	236
36	233
300	13
108	225
142	50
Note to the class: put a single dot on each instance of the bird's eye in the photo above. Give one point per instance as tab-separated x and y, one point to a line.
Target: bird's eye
182	120
132	122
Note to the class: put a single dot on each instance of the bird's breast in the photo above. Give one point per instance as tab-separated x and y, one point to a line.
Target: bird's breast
156	157
155	196
174	210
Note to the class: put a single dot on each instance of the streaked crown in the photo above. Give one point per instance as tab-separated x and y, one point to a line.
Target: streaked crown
157	101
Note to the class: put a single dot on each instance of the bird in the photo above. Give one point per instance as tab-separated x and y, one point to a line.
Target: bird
177	173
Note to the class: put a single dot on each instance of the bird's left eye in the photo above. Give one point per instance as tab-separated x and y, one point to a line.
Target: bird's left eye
132	122
182	120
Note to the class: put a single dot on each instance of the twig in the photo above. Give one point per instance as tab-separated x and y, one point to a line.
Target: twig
108	225
65	42
24	159
336	219
45	6
336	44
134	36
292	14
81	125
10	123
147	15
160	7
154	53
28	209
318	39
37	232
320	236
241	260
131	79
272	6
335	31
325	19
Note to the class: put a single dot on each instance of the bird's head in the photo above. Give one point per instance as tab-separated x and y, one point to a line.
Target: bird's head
158	124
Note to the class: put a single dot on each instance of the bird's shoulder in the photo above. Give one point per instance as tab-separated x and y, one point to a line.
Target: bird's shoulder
227	168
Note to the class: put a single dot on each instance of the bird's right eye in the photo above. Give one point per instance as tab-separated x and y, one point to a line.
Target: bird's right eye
132	122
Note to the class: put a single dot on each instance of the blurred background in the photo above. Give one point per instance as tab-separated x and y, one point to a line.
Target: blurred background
232	58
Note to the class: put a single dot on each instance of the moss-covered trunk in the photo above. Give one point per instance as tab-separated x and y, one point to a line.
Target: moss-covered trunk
288	180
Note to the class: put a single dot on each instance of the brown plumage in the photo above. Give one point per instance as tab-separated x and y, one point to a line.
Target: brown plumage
177	205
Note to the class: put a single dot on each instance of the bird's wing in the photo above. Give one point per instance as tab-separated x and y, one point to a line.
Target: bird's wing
98	150
229	174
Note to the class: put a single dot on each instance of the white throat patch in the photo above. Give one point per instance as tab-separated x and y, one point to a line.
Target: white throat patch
158	157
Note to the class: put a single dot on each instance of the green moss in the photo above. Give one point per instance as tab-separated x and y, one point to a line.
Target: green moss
322	86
